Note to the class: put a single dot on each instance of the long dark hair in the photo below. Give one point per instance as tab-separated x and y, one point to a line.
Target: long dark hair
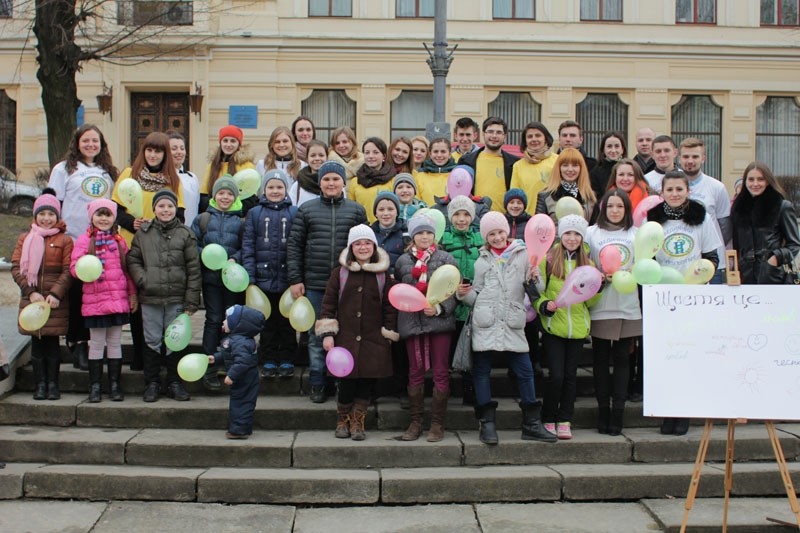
158	141
102	159
602	218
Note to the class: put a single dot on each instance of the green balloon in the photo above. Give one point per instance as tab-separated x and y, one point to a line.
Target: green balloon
235	277
178	333
192	367
88	268
623	281
214	256
670	276
439	223
647	271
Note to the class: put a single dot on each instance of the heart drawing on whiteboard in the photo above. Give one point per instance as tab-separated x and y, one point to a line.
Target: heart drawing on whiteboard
793	344
757	342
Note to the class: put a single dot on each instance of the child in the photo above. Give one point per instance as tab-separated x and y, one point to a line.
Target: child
230	157
356	315
220	224
107	301
405	188
238	352
498	323
617	318
307	185
266	236
40	266
427	333
564	329
165	266
482	205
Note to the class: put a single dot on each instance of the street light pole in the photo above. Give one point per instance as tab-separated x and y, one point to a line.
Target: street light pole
439	62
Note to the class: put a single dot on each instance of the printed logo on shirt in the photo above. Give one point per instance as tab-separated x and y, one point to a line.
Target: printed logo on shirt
624	252
94	186
678	245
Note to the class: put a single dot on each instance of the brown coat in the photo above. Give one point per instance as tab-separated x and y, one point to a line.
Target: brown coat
54	278
361	320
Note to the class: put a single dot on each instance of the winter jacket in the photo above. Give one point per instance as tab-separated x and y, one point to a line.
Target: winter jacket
464	246
238	349
763	226
164	264
496	298
54	278
393	240
265	244
546	203
223	228
483	204
319	232
517	225
360	316
407	210
109	294
351	167
411	324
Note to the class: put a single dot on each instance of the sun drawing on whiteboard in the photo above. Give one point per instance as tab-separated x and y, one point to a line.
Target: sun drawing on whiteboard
751	378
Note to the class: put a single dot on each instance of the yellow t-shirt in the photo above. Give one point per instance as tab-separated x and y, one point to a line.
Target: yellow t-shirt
532	178
205	189
366	195
147	203
430	184
490	179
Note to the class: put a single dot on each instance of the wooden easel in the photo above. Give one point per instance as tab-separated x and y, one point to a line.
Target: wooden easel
701	458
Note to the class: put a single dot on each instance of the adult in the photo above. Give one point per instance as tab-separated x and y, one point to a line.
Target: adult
344	150
432	176
664	153
190	184
644	149
612	149
466	133
230	156
303	132
570	135
532	172
374	176
627	176
765	232
307	185
400	152
569	178
493	166
420	150
281	154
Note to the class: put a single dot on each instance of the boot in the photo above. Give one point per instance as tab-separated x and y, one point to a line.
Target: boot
416	409
40	379
603	418
52	367
438	410
343	420
668	426
81	356
468	389
486	415
681	426
114	380
357	417
95	374
615	427
532	427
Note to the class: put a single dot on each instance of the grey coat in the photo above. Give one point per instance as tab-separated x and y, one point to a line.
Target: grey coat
410	324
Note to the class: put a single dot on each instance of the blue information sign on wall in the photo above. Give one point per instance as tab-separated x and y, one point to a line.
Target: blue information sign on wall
80	114
244	116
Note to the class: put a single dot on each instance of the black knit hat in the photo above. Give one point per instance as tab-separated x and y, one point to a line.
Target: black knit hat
165	193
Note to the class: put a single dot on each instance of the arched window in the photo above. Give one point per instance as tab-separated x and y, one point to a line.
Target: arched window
698	116
598	114
8	132
778	135
411	113
517	109
329	109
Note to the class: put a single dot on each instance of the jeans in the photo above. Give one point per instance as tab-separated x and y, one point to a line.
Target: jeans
316	353
561	387
520	363
720	277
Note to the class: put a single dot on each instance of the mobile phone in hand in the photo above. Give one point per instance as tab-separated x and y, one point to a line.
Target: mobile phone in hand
466	281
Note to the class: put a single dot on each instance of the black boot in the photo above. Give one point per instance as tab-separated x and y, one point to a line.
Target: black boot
668	426
114	375
81	355
603	419
486	416
95	375
39	378
532	427
615	427
681	426
468	389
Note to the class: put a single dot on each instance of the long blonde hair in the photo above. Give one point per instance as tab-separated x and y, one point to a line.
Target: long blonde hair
572	156
269	159
557	257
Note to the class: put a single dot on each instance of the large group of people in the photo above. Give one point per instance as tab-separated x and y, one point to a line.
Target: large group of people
341	224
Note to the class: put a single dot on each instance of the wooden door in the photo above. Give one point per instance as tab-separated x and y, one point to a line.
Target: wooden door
159	112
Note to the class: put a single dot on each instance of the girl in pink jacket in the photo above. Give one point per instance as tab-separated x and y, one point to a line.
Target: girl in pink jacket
107	301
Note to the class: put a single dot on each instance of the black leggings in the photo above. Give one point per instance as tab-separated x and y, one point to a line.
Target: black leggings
607	352
355	389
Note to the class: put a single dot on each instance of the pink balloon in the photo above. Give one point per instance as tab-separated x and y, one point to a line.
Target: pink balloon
640	213
404	297
530	312
540	231
610	259
339	361
581	284
459	183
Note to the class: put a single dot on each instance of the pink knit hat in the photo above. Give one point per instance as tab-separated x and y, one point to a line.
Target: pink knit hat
47	201
101	203
491	221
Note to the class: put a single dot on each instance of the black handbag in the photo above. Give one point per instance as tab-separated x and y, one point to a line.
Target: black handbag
791	265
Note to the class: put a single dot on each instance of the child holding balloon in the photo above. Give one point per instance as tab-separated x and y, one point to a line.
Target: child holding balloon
108	299
40	266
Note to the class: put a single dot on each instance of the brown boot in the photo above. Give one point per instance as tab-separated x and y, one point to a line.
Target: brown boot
438	409
357	417
416	409
343	420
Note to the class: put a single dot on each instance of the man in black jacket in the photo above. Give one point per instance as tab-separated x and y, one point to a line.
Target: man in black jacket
493	166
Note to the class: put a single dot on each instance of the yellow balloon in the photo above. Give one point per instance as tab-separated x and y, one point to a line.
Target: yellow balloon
34	316
285	303
648	240
88	268
248	181
699	273
443	284
568	206
193	366
255	298
130	193
301	315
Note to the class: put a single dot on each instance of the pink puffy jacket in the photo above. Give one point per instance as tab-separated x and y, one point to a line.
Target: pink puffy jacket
109	293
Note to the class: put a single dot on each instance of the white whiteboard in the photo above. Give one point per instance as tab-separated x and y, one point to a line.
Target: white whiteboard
714	351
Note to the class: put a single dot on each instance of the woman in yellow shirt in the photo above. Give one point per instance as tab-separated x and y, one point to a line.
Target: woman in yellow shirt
230	157
532	172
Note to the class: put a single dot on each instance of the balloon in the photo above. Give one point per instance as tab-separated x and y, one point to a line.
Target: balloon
407	298
439	223
255	298
130	194
699	272
580	285
648	241
423	211
34	316
248	181
193	366
443	284
530	312
671	276
339	361
640	213
178	333
301	315
623	281
235	277
88	268
540	232
568	206
459	182
214	256
647	271
285	303
610	259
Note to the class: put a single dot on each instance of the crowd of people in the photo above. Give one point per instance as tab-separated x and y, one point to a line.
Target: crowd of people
344	222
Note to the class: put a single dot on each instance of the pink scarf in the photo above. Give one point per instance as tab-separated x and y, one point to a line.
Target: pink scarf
33	252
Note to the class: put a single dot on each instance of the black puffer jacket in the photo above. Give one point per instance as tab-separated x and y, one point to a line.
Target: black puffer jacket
763	226
319	233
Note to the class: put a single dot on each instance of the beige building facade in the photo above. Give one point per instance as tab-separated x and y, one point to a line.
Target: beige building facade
725	70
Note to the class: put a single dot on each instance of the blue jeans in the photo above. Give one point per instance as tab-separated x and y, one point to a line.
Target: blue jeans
720	277
316	354
520	363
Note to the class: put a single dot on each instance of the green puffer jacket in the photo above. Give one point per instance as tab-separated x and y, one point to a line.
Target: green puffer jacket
164	263
464	246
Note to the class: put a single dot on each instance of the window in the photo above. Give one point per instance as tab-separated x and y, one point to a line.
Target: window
411	113
8	132
513	9
778	135
780	13
6	9
414	8
605	10
329	109
517	109
330	8
696	11
698	116
155	13
598	114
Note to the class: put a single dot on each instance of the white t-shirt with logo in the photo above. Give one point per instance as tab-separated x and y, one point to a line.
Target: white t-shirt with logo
714	197
612	304
685	244
76	191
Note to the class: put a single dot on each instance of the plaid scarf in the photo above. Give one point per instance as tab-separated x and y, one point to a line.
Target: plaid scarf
420	270
571	187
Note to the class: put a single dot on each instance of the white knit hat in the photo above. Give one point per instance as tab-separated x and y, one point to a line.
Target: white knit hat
460	203
574	223
360	232
491	221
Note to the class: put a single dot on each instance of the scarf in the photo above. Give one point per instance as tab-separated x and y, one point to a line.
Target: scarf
432	168
571	187
152	182
420	270
101	241
370	177
33	252
307	180
301	151
675	213
536	156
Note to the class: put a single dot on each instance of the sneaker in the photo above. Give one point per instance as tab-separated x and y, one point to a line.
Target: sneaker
236	436
286	370
550	427
176	391
563	431
152	392
270	370
317	394
211	382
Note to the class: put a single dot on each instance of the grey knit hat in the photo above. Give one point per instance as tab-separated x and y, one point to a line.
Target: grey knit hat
227	183
276	174
385	195
420	223
332	166
460	203
404	177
